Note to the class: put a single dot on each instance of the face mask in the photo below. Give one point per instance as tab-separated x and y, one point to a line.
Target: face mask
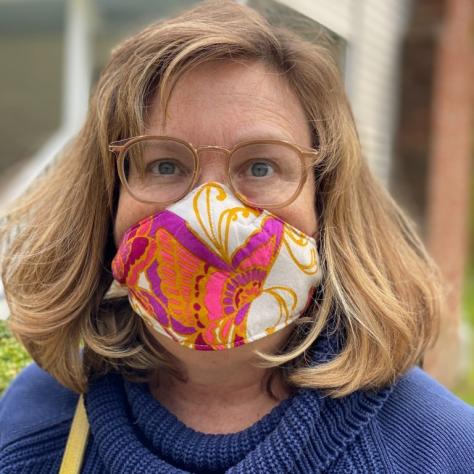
212	273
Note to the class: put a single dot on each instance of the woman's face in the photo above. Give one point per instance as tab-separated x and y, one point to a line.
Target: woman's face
223	103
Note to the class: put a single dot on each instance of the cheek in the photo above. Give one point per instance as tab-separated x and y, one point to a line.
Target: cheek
302	212
129	212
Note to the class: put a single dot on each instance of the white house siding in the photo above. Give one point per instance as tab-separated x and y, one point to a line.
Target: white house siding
373	30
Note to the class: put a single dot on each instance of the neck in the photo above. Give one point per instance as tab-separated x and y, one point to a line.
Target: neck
216	402
221	391
220	384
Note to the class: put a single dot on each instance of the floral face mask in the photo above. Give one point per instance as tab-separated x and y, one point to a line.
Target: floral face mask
212	273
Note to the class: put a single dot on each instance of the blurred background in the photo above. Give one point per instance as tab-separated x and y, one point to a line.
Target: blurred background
408	66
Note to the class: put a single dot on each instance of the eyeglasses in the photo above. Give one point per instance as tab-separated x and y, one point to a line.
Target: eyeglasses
261	173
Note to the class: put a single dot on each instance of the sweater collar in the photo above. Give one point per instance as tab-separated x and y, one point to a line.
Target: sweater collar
135	433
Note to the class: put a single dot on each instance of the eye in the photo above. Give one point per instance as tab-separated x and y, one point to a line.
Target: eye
164	167
260	169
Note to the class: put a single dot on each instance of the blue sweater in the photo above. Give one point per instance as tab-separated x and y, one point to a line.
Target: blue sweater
414	426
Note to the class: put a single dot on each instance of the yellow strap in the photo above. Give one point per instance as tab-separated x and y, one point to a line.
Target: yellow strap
77	441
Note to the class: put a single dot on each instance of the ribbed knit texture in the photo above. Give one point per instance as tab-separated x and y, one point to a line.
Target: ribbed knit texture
414	426
305	430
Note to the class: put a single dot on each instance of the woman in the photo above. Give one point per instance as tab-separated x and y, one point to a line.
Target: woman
270	302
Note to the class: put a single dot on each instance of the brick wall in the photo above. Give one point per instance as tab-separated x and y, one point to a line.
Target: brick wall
434	150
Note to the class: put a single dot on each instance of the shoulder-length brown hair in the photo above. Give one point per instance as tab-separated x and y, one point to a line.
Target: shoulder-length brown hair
380	285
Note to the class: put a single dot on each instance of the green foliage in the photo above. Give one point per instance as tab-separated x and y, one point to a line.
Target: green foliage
13	357
469	298
465	388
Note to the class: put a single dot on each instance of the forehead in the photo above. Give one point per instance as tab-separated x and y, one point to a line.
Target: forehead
224	102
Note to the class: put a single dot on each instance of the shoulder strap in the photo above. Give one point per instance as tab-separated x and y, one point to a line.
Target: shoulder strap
77	441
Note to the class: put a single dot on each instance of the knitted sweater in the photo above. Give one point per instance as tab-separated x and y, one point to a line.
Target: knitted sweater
413	426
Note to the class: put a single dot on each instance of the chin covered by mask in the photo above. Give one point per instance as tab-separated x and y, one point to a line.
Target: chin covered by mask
211	273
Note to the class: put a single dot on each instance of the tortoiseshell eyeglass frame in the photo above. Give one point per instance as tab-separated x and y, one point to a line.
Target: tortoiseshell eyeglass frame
120	148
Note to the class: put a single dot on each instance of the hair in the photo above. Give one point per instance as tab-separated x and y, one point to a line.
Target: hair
380	286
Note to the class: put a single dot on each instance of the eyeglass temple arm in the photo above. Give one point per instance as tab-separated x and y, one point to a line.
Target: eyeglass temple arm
118	145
